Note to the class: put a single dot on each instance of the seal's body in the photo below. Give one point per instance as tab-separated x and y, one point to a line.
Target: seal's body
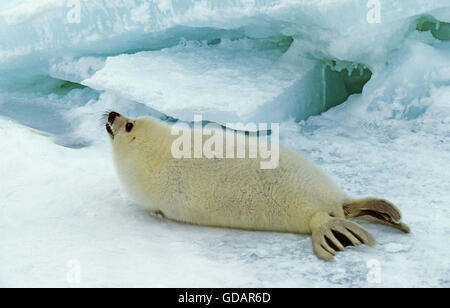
295	197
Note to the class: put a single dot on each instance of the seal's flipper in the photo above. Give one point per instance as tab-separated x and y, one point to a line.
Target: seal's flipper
376	210
330	235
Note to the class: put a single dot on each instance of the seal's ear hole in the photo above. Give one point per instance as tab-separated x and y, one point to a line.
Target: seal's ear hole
129	127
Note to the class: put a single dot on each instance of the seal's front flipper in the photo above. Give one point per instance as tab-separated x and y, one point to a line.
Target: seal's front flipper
376	210
330	235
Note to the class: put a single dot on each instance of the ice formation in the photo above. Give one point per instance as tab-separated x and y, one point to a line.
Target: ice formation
360	87
266	60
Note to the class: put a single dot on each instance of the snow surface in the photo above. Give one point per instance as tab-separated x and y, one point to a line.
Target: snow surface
61	202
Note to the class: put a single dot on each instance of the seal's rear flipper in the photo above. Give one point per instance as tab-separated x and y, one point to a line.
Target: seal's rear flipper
376	210
330	235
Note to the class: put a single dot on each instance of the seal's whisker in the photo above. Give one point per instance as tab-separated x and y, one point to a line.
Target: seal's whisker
104	117
105	114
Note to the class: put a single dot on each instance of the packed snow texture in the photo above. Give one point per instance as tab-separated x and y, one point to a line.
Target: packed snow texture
305	64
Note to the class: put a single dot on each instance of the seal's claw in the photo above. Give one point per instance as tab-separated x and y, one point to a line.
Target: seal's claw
323	253
331	235
403	227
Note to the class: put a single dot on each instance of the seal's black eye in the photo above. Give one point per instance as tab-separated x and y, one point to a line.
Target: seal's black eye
129	127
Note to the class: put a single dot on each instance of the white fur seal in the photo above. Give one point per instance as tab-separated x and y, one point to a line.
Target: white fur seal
296	197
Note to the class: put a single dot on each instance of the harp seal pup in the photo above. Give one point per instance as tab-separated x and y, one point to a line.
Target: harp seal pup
297	197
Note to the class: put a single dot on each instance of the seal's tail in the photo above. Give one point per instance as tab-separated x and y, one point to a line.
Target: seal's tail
376	210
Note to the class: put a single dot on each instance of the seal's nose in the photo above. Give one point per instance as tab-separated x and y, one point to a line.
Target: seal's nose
112	116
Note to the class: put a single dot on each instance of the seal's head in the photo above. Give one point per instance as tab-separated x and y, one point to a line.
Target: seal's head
127	135
132	133
138	145
119	126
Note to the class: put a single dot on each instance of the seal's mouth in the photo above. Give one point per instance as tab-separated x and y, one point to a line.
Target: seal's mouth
111	117
109	130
